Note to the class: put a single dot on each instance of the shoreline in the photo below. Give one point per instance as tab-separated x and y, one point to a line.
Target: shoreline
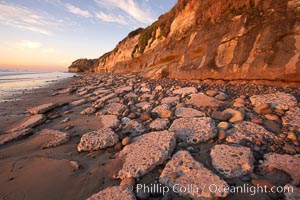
33	172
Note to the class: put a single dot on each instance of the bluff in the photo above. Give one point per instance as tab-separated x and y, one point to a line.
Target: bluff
214	39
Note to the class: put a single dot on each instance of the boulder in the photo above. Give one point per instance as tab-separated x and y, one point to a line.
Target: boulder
292	192
183	171
237	116
123	89
145	153
278	100
57	138
113	193
170	100
232	161
162	110
88	111
159	124
95	140
109	121
41	109
29	122
292	117
112	109
78	102
248	131
134	127
287	163
144	105
185	91
194	130
5	138
188	112
202	100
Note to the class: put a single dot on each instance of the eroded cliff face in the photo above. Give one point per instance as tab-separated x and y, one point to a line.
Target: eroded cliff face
217	39
82	65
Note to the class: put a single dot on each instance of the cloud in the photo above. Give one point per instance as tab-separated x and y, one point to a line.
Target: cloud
77	11
111	18
23	18
130	7
29	44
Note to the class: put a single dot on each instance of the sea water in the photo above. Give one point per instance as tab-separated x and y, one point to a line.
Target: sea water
14	83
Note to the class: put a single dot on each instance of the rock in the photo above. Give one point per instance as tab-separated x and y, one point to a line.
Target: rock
132	115
170	100
41	109
292	117
88	111
272	117
292	192
166	114
145	89
185	91
232	161
159	124
278	100
113	193
194	130
292	136
127	181
222	116
287	163
123	89
289	149
78	102
15	135
158	88
221	97
29	122
223	125
75	165
65	120
107	97
263	108
163	111
67	91
144	105
57	138
95	140
237	116
125	120
201	100
145	153
262	183
248	131
272	126
131	95
240	100
126	141
183	171
188	112
112	109
211	93
118	146
238	105
145	116
142	194
109	121
221	134
134	127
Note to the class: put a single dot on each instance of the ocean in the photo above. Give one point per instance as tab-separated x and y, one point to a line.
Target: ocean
14	83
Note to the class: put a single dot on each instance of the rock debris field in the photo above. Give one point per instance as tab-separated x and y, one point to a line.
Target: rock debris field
171	132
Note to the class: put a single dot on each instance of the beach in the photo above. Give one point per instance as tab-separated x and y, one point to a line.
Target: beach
127	106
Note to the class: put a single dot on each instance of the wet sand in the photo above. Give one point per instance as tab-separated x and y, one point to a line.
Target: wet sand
29	172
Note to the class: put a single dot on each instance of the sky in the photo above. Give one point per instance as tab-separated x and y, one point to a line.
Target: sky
50	34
